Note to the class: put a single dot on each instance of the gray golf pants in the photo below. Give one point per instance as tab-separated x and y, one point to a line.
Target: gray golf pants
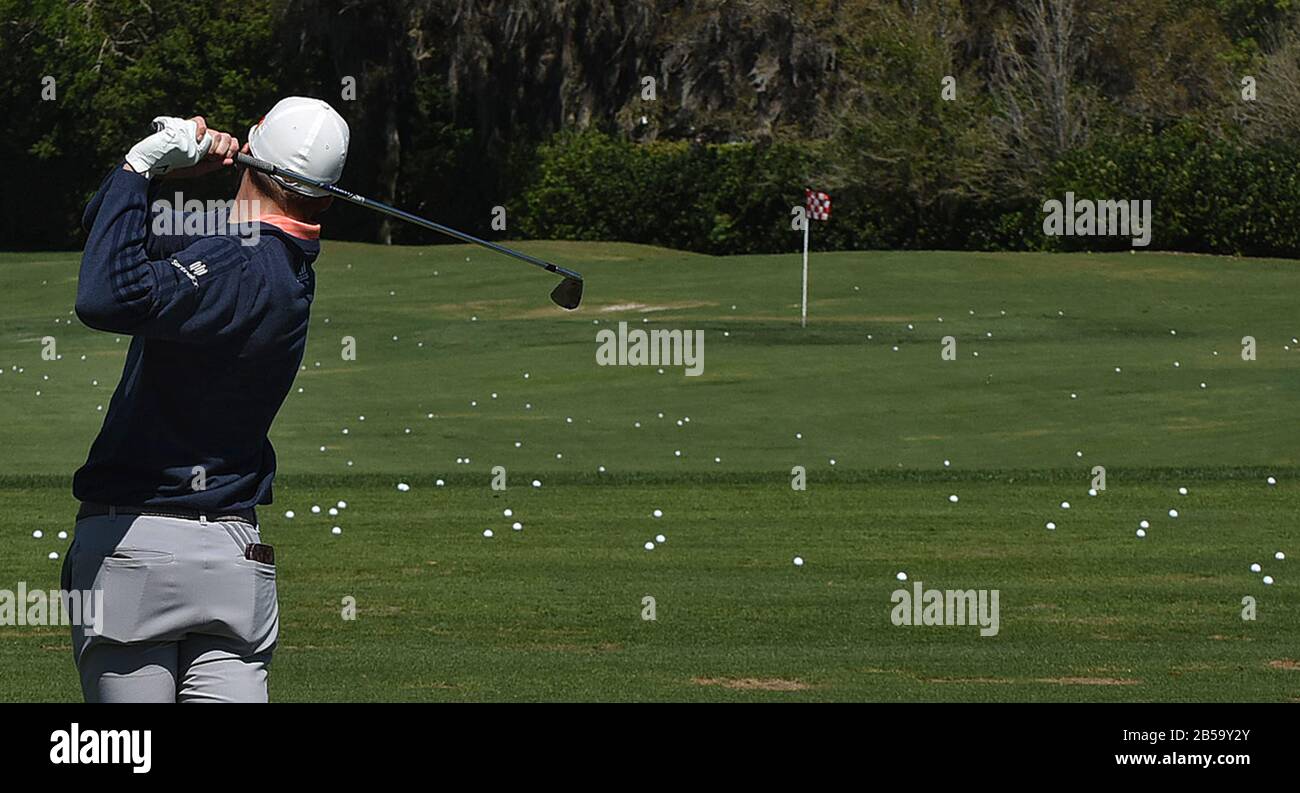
186	618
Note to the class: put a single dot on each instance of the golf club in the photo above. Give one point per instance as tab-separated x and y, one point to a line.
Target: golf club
567	294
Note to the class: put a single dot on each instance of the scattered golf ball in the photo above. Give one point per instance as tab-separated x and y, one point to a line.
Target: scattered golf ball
336	531
509	513
342	505
38	534
315	508
289	514
54	555
649	546
537	483
517	526
1092	491
798	561
1142	532
901	576
659	538
401	487
1268	579
953	498
1271	481
487	532
334	512
1051	526
1182	491
1173	513
1144	524
658	513
1255	568
1278	556
63	535
1065	505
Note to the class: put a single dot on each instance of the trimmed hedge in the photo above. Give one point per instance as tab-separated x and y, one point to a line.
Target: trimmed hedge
1207	195
1211	196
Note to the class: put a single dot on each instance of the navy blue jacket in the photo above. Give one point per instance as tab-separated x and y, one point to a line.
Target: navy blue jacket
219	329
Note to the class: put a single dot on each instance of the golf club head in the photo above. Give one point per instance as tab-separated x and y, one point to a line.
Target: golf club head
567	294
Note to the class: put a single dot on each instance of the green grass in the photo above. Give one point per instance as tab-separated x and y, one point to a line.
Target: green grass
1088	612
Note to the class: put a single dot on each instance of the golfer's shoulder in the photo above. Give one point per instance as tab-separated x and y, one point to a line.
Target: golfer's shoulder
214	256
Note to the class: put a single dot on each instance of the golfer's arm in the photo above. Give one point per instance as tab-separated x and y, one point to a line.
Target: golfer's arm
116	280
120	289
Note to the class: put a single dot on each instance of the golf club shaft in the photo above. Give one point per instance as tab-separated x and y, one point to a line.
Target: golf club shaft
249	161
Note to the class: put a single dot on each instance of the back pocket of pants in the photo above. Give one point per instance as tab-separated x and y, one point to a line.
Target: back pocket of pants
139	593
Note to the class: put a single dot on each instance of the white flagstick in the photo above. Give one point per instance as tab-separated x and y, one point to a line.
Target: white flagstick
803	319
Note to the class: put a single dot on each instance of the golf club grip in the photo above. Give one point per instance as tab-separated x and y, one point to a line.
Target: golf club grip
250	161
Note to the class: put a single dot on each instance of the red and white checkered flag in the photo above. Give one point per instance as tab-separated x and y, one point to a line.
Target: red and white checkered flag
819	204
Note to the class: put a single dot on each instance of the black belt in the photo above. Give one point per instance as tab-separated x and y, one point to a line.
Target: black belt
92	510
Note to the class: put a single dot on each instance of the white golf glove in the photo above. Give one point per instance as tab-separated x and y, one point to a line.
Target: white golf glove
172	145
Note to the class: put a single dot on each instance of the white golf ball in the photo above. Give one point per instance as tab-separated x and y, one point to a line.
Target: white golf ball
38	534
517	526
953	498
1271	481
1092	491
1278	556
289	514
336	531
658	513
1144	524
315	509
1142	532
440	483
1051	526
537	483
1065	505
1255	568
342	505
63	535
509	513
54	555
401	487
1173	513
901	576
1268	579
798	561
649	546
334	512
659	538
1182	491
487	532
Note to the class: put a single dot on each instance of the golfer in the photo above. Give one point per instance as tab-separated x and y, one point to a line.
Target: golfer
167	527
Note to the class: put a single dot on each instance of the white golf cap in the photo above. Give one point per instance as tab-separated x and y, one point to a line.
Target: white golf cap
304	135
